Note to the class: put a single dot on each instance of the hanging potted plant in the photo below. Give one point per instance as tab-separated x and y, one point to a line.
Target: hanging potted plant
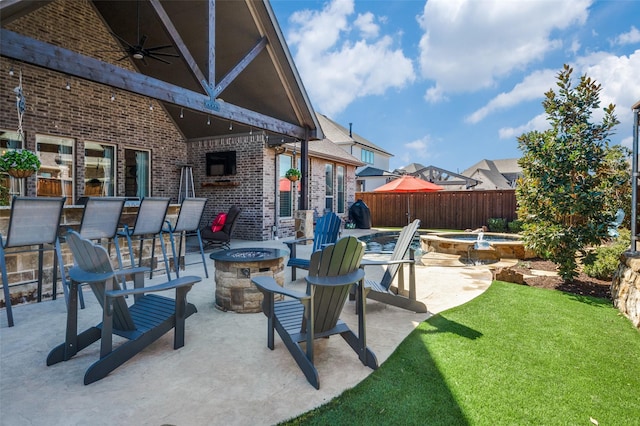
292	174
19	163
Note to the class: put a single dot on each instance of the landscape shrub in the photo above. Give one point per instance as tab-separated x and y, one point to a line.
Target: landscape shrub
515	226
497	224
604	260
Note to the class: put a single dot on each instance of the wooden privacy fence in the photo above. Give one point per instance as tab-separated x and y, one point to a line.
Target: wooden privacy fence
441	209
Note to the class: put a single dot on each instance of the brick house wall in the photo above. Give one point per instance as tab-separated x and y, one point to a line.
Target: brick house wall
86	112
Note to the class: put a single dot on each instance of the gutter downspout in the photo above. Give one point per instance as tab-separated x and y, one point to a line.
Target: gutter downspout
634	179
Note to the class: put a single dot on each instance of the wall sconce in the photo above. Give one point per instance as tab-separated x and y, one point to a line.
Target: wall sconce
230	125
68	86
150	106
181	113
11	71
208	121
113	97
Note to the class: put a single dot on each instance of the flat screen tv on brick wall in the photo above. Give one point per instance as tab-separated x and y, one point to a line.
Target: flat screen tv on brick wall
221	163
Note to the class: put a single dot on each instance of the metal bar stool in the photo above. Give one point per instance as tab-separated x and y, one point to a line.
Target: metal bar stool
100	220
149	221
188	224
34	221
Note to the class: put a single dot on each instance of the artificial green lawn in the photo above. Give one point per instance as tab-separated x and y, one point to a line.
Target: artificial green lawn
515	355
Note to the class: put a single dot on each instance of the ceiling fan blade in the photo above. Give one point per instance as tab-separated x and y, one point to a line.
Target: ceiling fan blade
152	56
122	40
151	49
142	41
172	55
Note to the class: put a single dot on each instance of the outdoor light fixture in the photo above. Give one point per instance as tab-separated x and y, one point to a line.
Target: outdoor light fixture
68	86
138	55
230	126
11	71
208	121
181	113
150	106
113	97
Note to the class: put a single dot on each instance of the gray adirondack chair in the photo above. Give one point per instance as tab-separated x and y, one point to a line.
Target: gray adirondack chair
326	232
403	254
149	318
316	313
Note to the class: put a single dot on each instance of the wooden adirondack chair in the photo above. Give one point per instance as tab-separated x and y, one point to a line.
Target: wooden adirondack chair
403	254
326	232
149	318
316	313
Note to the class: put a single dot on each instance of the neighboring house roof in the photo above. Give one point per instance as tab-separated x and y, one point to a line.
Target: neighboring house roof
445	178
327	150
369	171
495	174
410	168
342	136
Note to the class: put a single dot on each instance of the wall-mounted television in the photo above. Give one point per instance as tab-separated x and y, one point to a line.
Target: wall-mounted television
221	163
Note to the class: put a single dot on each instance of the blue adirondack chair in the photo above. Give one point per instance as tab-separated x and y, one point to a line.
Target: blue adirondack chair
326	232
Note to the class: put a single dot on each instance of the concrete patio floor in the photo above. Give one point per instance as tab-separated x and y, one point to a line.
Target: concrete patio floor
224	375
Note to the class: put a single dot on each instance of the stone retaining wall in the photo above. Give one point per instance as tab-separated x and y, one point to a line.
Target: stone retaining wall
625	289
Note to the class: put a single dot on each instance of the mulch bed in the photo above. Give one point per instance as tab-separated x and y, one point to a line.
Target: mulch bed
582	284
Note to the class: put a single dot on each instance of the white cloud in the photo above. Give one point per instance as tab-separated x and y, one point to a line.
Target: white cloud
633	36
415	151
538	123
367	26
468	44
337	69
616	74
532	87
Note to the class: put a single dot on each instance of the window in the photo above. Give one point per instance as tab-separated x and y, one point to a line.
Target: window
340	187
137	171
285	187
328	173
8	141
366	156
55	177
99	170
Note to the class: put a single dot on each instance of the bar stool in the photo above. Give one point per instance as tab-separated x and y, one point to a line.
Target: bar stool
188	224
149	221
100	220
34	221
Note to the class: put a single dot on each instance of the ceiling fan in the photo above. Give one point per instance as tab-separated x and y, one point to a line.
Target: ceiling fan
139	51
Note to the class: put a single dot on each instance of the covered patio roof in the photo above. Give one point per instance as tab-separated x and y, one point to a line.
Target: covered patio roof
232	70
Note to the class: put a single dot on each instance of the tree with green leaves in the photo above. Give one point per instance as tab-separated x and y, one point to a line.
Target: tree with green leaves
573	180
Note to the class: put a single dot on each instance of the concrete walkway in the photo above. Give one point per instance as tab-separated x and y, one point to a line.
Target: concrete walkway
224	375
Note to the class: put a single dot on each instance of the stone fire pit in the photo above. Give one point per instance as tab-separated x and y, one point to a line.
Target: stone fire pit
234	270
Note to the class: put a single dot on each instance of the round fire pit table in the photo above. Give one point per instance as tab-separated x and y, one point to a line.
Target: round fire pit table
234	270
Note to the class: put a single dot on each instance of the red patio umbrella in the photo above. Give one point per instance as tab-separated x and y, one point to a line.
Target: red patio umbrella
408	183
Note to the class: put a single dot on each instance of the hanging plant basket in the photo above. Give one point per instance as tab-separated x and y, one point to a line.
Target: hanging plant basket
19	163
292	174
20	173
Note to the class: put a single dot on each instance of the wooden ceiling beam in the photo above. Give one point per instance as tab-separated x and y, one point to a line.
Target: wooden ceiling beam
177	40
26	49
240	66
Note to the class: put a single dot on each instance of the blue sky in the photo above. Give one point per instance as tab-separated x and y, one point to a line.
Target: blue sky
451	82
